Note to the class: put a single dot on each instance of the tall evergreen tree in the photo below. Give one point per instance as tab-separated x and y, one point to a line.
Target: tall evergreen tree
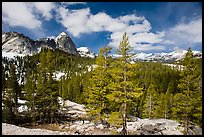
187	104
30	91
97	91
121	85
41	95
163	108
12	94
150	102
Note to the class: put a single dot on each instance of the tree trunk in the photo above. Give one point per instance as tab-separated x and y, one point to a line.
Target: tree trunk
186	126
150	111
124	131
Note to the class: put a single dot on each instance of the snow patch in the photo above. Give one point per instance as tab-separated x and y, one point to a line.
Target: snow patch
21	101
85	52
22	108
58	75
11	54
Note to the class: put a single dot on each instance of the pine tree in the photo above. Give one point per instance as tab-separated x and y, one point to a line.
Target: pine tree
121	85
52	86
12	94
97	91
30	91
3	80
186	104
41	95
150	102
163	106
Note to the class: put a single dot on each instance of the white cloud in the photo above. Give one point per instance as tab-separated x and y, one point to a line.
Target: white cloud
82	21
191	30
101	19
74	20
185	34
26	14
146	47
168	42
44	8
115	26
131	18
147	37
145	26
19	14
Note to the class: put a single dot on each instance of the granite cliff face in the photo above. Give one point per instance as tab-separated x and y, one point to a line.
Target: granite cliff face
64	42
17	43
14	42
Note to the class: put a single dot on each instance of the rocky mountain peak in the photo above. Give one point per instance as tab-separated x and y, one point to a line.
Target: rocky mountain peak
64	42
16	43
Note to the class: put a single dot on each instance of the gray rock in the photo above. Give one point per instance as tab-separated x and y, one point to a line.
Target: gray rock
14	42
65	43
148	127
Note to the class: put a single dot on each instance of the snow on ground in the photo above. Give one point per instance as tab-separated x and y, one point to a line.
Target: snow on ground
91	67
22	108
83	49
85	52
21	101
179	67
11	54
58	75
72	107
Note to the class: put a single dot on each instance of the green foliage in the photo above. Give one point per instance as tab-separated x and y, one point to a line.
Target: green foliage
122	89
98	87
10	97
115	119
30	90
187	104
113	90
150	102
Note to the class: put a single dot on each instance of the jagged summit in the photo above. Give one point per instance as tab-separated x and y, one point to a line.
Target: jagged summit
64	42
171	56
16	43
61	35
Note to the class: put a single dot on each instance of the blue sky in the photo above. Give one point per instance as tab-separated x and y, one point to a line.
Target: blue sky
152	27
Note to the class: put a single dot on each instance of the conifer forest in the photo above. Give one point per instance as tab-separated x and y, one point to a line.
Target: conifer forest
112	89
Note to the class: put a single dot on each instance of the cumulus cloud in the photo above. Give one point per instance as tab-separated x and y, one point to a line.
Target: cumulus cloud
74	20
184	34
146	47
82	21
147	37
19	14
26	14
44	8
